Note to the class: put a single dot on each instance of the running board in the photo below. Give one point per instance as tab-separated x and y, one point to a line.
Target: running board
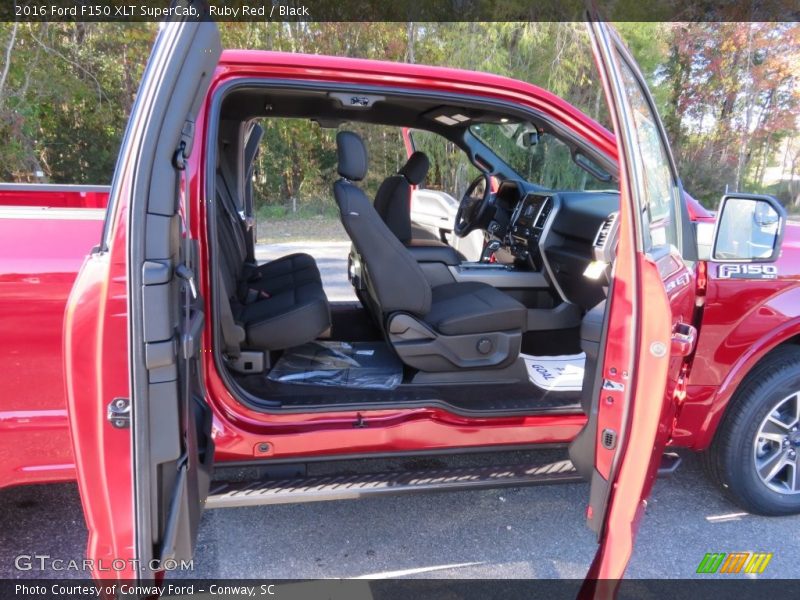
348	487
224	494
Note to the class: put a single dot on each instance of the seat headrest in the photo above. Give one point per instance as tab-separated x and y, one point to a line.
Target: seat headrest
352	156
416	168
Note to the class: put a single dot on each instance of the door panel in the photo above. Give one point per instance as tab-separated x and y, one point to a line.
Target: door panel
143	449
652	299
172	449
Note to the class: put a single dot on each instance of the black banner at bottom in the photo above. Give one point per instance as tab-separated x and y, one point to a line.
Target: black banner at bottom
401	589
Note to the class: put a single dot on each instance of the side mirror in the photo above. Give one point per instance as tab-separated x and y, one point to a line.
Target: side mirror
704	234
749	229
528	139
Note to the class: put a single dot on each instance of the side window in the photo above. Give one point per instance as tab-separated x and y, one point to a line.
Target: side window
662	192
296	164
450	170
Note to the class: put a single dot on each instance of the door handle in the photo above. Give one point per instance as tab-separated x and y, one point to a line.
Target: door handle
684	337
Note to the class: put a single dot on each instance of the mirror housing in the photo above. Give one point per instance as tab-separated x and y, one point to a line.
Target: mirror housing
704	236
749	229
528	139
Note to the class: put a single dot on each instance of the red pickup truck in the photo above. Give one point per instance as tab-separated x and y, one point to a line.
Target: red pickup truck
615	319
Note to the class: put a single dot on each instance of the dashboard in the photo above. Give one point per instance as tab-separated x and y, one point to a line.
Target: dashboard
527	226
559	233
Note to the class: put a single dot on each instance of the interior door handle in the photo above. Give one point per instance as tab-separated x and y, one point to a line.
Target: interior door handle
684	338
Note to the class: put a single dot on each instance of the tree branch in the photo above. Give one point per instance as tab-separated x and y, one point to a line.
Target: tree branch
7	65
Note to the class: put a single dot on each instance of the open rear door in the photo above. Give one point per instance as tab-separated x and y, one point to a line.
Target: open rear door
141	428
649	334
171	423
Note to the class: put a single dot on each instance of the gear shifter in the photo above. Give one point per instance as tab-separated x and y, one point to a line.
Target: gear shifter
489	249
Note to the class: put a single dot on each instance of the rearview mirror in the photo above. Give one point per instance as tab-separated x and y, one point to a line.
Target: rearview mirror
749	229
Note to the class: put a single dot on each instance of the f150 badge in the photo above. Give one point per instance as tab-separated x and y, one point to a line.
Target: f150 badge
748	271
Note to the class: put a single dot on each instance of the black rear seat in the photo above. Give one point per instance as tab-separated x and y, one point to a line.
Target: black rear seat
279	304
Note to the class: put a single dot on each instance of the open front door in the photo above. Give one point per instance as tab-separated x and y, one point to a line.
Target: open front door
650	334
140	426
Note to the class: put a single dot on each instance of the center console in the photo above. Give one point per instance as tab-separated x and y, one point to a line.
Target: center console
527	224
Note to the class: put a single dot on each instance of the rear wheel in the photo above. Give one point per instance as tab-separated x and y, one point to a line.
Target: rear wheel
755	456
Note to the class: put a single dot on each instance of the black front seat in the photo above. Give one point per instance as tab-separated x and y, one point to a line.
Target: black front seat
443	328
393	200
393	203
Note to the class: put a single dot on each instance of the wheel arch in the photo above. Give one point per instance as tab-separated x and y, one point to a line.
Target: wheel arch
750	362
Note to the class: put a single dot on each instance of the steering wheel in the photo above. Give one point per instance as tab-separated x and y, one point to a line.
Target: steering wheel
474	206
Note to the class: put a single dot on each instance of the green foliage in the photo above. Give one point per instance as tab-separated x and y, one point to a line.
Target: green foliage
66	96
727	93
297	164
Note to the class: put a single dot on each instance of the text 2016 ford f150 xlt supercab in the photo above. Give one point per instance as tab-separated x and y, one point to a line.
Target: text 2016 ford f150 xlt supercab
616	319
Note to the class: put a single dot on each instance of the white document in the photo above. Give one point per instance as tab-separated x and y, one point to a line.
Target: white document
556	373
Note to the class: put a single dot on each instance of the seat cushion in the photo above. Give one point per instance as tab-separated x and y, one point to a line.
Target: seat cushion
473	307
288	318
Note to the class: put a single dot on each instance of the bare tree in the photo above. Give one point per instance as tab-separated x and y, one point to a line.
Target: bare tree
9	50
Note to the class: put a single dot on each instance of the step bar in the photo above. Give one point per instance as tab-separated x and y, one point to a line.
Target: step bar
230	494
348	487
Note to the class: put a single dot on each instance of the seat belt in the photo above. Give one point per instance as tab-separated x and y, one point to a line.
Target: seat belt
232	334
250	154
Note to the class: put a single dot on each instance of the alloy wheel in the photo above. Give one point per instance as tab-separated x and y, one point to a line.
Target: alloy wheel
776	448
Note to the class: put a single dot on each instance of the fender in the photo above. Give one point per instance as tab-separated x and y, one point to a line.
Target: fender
779	318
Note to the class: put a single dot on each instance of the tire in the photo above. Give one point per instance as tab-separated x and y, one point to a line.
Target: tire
739	442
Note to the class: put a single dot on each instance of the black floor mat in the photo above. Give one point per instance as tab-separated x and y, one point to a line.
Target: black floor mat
494	399
351	322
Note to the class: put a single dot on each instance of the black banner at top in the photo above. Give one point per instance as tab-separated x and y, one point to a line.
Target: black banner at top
396	10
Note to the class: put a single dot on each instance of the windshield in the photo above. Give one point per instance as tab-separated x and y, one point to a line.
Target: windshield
541	157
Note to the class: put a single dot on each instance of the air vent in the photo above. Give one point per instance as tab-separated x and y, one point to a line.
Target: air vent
544	213
605	231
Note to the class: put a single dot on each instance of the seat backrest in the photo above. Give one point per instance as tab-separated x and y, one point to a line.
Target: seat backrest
394	279
393	200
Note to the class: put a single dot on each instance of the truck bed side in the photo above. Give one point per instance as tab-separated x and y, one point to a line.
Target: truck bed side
41	251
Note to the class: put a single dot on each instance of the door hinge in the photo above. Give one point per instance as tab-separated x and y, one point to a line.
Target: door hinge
119	413
680	386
